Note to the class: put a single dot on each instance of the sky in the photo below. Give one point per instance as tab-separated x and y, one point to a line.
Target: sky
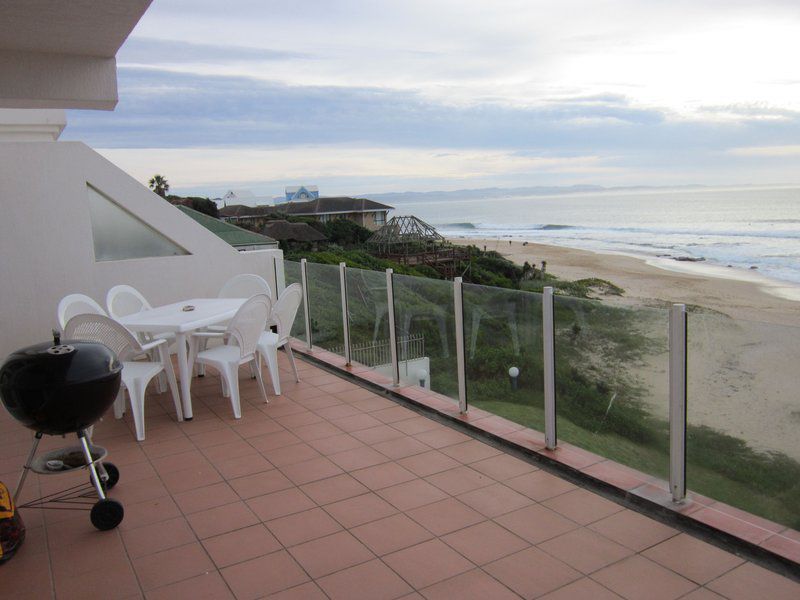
416	95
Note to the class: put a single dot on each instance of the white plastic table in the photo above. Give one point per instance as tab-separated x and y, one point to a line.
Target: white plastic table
173	319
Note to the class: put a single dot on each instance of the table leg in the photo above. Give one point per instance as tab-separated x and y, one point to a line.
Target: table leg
185	370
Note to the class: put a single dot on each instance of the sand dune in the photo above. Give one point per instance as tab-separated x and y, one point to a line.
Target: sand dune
744	354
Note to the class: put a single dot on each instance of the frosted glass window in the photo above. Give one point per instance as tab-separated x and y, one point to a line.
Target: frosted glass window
119	235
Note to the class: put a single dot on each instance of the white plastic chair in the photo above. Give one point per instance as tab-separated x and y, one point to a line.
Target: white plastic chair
283	315
135	374
76	304
245	286
241	341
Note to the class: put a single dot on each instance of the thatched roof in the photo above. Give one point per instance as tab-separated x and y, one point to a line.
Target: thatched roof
300	232
406	230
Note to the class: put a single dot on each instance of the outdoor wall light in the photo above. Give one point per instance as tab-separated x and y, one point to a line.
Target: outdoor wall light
422	375
513	375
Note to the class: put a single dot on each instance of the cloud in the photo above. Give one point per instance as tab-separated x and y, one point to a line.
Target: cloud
154	51
767	151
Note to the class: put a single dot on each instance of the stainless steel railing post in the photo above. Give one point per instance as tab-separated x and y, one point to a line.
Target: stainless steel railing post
548	338
458	301
677	401
345	311
392	329
306	312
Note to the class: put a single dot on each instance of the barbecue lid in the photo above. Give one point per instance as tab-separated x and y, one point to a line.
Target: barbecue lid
57	364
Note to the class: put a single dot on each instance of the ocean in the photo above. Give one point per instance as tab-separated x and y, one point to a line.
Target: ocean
746	229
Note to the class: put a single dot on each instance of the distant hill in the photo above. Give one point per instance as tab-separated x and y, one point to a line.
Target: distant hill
496	192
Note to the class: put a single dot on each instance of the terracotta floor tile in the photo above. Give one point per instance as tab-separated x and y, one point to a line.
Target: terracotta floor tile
536	523
291	454
585	550
329	554
381	433
391	534
240	545
393	414
165	465
459	480
215	437
241	466
702	594
204	498
636	577
221	519
583	589
169	566
358	458
743	529
298	419
208	586
539	485
311	470
316	431
428	463
633	530
401	447
259	484
495	500
273	440
470	451
442	437
503	466
784	546
583	506
752	581
359	510
249	429
445	516
157	537
383	475
280	504
371	580
427	563
334	489
485	542
146	513
416	425
472	585
303	526
191	478
412	494
356	422
264	575
117	582
335	444
304	591
338	411
693	558
531	572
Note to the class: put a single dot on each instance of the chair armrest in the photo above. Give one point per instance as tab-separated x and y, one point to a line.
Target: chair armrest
209	334
150	345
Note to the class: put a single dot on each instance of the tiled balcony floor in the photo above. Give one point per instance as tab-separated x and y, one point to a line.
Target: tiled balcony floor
333	491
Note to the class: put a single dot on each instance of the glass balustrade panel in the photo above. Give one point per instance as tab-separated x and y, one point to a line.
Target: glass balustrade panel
612	381
291	274
369	319
325	306
743	412
425	325
503	351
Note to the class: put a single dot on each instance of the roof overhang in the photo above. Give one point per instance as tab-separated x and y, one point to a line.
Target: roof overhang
57	54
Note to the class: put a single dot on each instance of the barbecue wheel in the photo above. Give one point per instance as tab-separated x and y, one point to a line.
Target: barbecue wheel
113	476
107	514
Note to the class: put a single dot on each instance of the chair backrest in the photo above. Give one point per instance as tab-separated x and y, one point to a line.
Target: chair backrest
124	300
249	322
245	286
76	304
103	329
285	309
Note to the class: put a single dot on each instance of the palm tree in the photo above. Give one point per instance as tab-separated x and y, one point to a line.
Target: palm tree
159	185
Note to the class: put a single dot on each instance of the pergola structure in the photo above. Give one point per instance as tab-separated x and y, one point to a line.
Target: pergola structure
411	241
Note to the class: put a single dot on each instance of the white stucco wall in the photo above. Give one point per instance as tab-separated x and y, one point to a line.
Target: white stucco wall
47	251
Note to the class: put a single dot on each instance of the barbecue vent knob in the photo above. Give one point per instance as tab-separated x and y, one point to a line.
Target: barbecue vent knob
61	349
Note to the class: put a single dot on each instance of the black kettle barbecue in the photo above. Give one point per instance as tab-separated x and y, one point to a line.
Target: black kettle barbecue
58	388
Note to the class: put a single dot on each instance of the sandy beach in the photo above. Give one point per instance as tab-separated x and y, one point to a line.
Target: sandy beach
743	353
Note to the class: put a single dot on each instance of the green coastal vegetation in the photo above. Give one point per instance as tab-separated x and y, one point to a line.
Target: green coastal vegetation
607	355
